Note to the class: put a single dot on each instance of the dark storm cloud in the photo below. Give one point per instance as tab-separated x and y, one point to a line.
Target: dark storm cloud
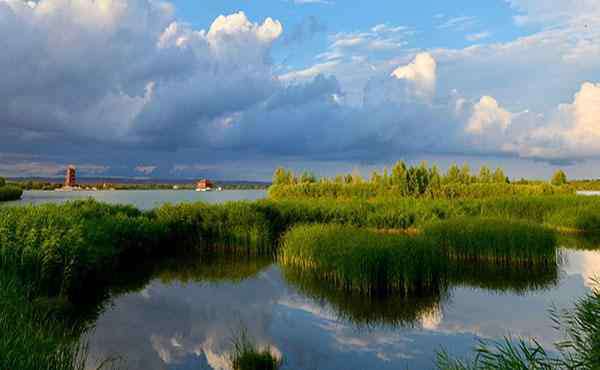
121	82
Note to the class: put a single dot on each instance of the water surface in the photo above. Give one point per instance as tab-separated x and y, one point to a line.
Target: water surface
185	317
143	199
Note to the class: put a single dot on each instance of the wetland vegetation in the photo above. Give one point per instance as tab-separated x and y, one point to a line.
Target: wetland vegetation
9	192
403	237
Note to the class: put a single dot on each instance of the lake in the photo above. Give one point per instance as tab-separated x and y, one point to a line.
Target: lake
143	199
185	318
183	314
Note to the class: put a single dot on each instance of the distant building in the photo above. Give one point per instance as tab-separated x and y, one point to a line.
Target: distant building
70	178
204	185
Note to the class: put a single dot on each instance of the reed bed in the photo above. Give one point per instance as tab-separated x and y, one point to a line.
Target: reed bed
30	338
498	241
368	311
246	355
504	278
363	261
9	192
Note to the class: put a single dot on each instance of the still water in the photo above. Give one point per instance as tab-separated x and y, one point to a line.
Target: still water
186	315
143	199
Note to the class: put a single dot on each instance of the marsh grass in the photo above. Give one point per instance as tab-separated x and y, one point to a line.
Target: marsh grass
32	339
498	241
363	261
489	253
10	192
368	311
505	277
246	355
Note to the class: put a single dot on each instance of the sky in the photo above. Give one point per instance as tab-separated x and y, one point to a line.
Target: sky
231	89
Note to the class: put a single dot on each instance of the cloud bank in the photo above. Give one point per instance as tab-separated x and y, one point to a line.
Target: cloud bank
123	82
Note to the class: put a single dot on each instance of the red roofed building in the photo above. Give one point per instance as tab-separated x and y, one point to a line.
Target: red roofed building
204	185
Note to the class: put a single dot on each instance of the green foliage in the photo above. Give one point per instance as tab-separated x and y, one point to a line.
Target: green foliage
373	263
491	239
2	181
31	339
247	356
10	192
559	178
359	260
409	181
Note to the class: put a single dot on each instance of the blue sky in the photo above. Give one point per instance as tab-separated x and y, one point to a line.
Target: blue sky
232	89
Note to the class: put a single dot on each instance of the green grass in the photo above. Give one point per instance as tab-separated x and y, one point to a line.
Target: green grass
9	192
32	338
368	311
569	213
247	356
364	261
373	263
494	240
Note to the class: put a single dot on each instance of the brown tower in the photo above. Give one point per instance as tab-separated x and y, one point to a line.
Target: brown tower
70	177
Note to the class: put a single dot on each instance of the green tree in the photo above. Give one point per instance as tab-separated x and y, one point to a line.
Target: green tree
282	177
465	174
2	181
453	174
308	178
500	177
485	175
559	178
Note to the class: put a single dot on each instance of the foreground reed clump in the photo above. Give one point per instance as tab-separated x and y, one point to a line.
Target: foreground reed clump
9	192
494	240
579	350
364	261
248	356
31	338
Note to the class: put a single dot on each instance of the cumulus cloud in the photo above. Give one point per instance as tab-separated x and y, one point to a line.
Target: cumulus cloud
128	76
421	72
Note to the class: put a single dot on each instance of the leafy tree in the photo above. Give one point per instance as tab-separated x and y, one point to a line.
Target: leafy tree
485	175
465	174
453	174
559	178
308	178
500	177
282	177
2	181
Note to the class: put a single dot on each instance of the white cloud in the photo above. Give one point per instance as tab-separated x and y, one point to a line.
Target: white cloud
478	36
488	115
421	72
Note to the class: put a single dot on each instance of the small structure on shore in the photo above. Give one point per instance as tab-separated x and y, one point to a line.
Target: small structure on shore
71	177
204	185
70	180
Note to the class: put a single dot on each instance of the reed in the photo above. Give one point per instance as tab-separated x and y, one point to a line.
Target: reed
31	339
9	192
580	348
246	355
499	241
363	261
368	311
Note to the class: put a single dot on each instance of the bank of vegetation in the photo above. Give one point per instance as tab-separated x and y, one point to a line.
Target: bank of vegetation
375	263
420	181
405	235
9	192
